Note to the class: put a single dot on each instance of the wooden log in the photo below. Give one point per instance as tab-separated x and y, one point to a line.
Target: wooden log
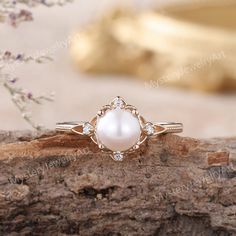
60	184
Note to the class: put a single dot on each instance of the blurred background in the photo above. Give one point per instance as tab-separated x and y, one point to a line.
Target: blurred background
173	60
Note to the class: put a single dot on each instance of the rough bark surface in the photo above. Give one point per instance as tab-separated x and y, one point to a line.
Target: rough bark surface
60	184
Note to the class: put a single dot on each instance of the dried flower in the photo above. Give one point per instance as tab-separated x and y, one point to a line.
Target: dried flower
21	97
12	11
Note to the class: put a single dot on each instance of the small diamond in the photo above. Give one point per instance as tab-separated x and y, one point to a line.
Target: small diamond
149	128
118	102
118	156
87	129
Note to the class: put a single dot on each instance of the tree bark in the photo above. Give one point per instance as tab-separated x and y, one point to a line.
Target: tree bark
61	184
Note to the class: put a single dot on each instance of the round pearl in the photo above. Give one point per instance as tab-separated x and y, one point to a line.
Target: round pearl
118	130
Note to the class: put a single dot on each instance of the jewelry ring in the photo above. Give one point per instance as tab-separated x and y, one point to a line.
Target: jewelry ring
119	129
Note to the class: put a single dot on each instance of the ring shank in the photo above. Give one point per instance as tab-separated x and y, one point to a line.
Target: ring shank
170	127
67	126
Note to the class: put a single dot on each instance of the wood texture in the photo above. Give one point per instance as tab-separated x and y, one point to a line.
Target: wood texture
59	184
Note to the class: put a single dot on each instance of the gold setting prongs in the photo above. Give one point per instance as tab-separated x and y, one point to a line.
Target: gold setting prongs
135	112
148	129
100	113
100	146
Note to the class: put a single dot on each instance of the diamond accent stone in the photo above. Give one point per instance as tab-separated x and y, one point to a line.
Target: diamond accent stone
118	156
87	128
118	102
149	128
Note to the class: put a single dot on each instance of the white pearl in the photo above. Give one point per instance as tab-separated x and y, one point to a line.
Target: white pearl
118	130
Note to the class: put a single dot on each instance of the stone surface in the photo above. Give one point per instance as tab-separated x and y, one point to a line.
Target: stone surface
60	184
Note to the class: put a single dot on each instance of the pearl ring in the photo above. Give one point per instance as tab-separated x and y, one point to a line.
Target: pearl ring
119	129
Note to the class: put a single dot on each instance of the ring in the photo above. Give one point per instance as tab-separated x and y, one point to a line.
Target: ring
119	129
